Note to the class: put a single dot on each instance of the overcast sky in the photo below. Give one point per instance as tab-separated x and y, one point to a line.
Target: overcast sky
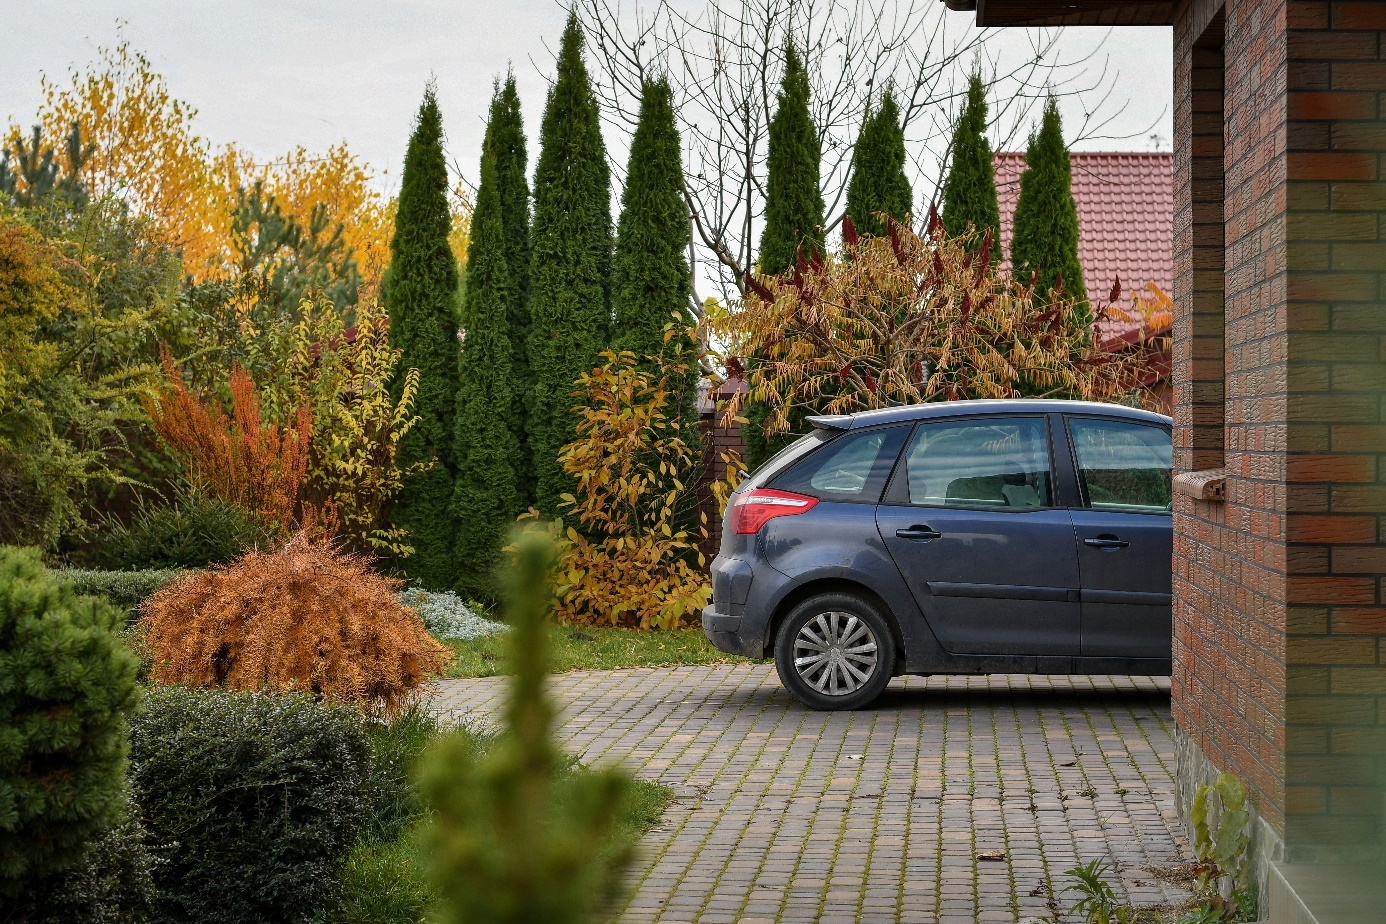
272	75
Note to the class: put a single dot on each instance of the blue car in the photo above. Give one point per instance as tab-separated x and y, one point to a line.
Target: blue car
968	537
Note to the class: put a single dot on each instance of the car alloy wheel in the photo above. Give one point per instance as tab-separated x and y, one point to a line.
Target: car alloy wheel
836	653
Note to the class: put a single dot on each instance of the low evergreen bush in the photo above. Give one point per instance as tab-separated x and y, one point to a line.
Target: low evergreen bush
194	531
253	801
67	689
125	589
112	883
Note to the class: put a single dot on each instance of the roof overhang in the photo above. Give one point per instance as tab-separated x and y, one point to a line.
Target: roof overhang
1068	12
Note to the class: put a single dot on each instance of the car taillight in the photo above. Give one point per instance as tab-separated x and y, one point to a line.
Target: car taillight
753	510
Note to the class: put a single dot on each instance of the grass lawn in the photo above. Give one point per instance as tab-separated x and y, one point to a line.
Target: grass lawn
592	649
385	880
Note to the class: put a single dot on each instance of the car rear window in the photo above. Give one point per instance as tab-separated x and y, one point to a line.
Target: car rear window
852	468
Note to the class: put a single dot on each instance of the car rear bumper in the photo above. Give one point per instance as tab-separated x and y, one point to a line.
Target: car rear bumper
724	632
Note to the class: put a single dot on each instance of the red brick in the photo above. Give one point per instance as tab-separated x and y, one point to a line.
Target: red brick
1330	590
1332	45
1362	15
1344	650
1350	620
1330	468
1330	528
1369	559
1359	75
1359	680
1310	105
1332	167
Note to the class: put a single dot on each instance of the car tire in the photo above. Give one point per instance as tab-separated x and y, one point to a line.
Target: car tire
848	631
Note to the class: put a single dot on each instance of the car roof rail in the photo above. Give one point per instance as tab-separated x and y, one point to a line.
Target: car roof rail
831	421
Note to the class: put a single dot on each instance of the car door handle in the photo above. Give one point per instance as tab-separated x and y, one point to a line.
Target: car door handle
1106	543
922	533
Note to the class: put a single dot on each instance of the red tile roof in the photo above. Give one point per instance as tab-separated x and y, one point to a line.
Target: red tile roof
1125	216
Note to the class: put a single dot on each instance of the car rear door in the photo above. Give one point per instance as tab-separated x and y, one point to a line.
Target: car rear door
970	520
1124	536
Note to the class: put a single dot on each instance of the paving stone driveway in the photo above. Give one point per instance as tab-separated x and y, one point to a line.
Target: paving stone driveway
953	799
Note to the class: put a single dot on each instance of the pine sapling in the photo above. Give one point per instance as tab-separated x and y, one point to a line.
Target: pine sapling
516	836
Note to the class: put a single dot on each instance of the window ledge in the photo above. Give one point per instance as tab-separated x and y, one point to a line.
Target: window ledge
1209	484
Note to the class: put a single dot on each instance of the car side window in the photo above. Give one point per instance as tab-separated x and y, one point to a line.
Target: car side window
1123	466
992	463
852	468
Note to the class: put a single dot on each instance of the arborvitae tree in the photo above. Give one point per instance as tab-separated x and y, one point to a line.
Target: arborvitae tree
651	285
793	211
485	500
420	291
793	201
879	185
505	139
969	193
1045	239
570	267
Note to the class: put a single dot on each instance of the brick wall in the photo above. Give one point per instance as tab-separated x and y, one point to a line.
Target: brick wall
1229	676
1336	358
1279	614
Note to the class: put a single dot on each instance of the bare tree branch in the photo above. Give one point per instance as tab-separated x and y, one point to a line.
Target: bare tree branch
724	62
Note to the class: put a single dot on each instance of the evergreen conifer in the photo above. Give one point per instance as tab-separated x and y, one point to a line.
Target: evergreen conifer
793	201
1045	239
505	139
67	690
570	266
651	283
879	185
793	212
485	500
420	292
969	193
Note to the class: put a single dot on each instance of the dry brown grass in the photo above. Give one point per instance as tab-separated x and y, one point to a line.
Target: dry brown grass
307	617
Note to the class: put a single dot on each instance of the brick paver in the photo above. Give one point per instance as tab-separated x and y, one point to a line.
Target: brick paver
953	799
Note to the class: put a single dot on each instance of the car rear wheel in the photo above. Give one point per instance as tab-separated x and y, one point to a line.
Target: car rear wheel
834	651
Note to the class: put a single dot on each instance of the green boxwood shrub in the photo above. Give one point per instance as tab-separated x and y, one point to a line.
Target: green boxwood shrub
194	531
253	800
67	689
111	884
125	589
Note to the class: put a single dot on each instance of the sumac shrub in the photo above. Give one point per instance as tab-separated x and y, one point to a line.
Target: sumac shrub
67	688
251	800
305	617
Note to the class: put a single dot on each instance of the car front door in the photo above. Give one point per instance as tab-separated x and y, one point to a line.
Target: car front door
970	520
1124	537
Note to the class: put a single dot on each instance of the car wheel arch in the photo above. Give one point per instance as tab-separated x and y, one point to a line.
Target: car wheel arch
818	586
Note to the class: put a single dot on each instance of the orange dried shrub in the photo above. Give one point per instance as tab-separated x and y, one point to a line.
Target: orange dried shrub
307	617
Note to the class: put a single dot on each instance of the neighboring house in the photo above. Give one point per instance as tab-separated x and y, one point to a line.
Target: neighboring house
1125	206
1279	424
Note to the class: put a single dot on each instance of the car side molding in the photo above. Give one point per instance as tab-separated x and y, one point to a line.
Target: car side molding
1003	591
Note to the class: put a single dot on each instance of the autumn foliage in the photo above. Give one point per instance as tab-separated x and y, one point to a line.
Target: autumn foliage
307	617
909	318
626	557
237	457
